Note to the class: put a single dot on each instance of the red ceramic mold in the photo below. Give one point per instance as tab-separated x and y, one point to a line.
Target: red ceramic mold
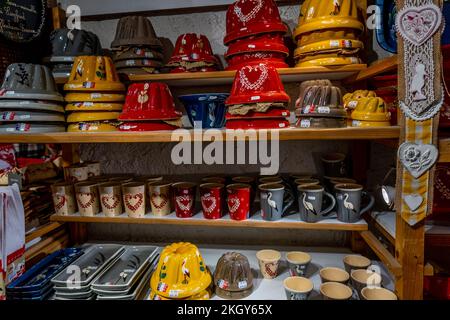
271	113
257	124
191	47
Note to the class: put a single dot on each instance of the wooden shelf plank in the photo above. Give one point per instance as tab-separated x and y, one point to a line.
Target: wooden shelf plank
45	229
444	150
392	132
290	222
376	68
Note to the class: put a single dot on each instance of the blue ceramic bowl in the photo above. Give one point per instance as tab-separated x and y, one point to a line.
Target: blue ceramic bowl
386	33
446	33
205	109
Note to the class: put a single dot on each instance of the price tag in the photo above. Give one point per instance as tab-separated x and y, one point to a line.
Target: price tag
352	104
356	123
254	98
323	110
8	116
305	123
334	43
242	284
130	62
96	95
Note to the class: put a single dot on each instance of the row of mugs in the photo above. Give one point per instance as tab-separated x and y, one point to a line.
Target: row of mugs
83	171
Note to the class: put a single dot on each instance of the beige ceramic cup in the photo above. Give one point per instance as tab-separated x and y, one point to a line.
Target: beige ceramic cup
269	260
87	198
332	274
377	294
111	199
335	291
93	168
64	198
355	262
77	173
160	195
134	199
362	278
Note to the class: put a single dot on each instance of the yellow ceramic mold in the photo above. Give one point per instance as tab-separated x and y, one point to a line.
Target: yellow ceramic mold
94	97
181	272
341	46
93	73
92	116
94	106
327	35
319	14
204	295
91	127
328	61
371	109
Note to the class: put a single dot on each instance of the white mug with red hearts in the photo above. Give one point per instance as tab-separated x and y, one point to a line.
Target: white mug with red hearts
88	202
64	198
134	199
111	198
77	173
159	195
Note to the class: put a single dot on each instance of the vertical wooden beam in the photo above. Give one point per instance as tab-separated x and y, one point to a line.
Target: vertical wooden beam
59	17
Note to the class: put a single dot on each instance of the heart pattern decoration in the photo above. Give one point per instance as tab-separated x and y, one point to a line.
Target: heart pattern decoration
257	6
158	200
184	202
110	202
85	199
60	201
413	201
233	204
134	201
248	72
209	204
417	158
418	24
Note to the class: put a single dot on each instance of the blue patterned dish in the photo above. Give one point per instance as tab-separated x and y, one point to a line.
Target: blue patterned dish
205	110
386	32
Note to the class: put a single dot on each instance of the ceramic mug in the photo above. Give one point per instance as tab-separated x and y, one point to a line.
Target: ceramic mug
269	261
348	197
310	202
332	274
335	291
184	199
275	199
266	180
111	198
298	263
297	288
377	294
238	201
250	181
365	278
134	199
306	182
149	179
64	198
212	199
334	164
220	180
331	182
94	168
159	195
77	173
356	262
88	202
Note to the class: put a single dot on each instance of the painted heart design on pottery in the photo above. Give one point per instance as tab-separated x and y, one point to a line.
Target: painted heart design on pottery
418	24
110	202
233	204
253	77
417	158
159	201
85	200
258	4
60	201
185	202
134	201
209	204
413	201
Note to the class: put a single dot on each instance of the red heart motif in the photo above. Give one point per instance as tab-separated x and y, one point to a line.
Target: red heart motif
158	200
185	202
137	200
233	204
89	202
60	201
110	202
208	203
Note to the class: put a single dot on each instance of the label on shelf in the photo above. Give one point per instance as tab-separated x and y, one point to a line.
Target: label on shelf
305	123
242	284
323	110
255	98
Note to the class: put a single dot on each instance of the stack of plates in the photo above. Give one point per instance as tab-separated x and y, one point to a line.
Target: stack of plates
35	284
74	282
128	278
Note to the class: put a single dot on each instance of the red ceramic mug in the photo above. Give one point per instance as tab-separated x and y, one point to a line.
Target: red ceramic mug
211	196
238	201
184	199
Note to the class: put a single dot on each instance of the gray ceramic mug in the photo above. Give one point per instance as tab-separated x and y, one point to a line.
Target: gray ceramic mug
348	197
275	200
310	202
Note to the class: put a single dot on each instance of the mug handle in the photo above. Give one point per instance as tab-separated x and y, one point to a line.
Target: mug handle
332	205
371	202
289	199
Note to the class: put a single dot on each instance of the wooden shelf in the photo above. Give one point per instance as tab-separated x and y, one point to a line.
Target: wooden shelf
290	222
376	68
42	231
444	150
166	136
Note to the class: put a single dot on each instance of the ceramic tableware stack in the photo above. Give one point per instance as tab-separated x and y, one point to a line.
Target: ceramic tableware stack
68	44
193	53
94	95
128	277
181	274
254	33
205	110
136	48
258	99
328	33
366	109
320	105
74	282
149	107
233	276
35	283
30	101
